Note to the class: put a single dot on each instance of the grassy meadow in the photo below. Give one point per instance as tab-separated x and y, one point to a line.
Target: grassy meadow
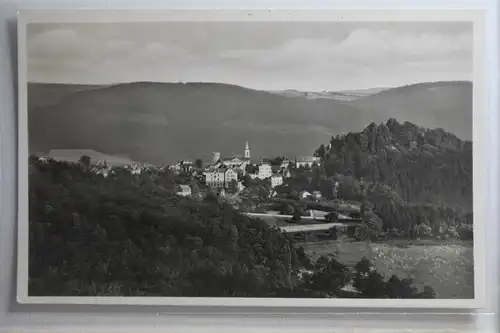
441	266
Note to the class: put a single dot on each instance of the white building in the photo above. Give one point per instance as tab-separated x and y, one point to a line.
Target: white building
284	173
240	186
186	166
184	190
235	162
317	195
229	176
306	161
265	170
240	162
305	194
285	164
220	177
276	180
101	170
135	169
214	178
240	171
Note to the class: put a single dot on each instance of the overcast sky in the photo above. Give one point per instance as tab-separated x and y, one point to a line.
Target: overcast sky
271	56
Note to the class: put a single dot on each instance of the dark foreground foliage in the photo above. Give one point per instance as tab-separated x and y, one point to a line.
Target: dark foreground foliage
130	235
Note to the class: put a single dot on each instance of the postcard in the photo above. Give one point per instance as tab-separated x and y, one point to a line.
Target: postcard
252	158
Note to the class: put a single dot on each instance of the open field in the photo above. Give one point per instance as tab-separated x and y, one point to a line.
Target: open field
441	266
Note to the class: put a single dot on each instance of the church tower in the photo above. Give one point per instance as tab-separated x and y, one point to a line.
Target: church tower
247	151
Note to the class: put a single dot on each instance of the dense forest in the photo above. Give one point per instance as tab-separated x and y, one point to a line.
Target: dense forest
417	181
130	235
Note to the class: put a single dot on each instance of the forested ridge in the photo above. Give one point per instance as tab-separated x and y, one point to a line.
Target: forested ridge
408	175
130	235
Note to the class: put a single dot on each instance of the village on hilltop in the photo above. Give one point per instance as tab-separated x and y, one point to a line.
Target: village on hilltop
221	174
227	173
228	177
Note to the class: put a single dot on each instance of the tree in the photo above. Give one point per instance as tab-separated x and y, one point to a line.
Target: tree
329	275
286	209
423	231
428	293
326	188
85	161
199	163
367	281
247	180
465	231
320	152
250	168
362	233
296	216
276	160
400	288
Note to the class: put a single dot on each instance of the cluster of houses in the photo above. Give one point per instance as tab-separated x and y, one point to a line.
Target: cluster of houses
227	172
221	173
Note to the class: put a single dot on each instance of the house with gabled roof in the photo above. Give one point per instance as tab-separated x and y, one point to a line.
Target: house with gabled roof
285	164
184	190
265	170
220	177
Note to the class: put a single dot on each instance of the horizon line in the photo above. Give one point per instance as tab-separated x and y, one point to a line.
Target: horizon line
387	87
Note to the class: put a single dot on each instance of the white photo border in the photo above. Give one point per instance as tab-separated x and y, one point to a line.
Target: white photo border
480	140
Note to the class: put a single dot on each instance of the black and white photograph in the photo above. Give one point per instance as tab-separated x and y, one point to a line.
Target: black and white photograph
247	159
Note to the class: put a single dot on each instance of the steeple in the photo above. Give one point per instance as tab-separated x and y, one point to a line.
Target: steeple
247	151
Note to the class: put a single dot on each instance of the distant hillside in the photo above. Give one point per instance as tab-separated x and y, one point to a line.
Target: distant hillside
345	95
163	122
355	94
75	156
42	94
445	105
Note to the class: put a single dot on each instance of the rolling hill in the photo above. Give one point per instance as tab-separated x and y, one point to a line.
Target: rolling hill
446	105
164	122
344	95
